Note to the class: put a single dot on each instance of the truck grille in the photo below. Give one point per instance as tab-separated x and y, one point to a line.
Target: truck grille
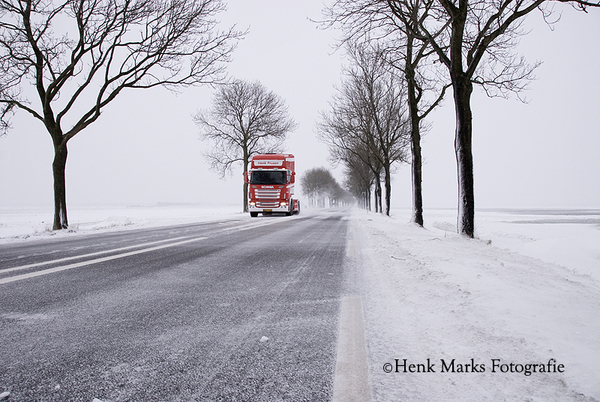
266	204
268	194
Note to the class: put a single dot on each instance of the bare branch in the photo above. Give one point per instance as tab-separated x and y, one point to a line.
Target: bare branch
117	44
245	119
79	55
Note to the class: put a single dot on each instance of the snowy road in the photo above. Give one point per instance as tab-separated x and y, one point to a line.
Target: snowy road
238	309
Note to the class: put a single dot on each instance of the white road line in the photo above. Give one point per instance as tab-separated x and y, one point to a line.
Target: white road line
252	225
351	381
97	260
76	257
75	265
351	248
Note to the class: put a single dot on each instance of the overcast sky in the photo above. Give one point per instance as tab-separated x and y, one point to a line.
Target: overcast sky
145	148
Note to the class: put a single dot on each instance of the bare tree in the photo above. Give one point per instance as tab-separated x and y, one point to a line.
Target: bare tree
369	113
476	48
472	39
465	47
391	28
79	55
359	180
245	119
413	58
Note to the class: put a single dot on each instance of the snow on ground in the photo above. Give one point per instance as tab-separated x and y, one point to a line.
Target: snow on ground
525	291
431	294
18	224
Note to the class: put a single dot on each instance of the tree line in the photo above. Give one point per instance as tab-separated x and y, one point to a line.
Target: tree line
431	47
323	190
367	129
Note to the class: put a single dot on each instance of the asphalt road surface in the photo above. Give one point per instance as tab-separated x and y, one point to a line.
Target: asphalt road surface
235	310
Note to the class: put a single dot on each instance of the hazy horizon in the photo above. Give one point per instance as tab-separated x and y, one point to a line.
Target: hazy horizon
145	148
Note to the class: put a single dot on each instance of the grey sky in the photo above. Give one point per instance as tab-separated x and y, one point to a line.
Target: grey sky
145	148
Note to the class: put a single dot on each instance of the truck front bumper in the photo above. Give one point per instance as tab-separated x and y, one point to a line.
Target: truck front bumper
271	207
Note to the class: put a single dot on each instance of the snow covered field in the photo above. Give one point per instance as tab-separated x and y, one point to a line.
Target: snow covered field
17	224
526	292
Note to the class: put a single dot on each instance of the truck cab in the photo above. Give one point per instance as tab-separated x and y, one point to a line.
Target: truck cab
271	180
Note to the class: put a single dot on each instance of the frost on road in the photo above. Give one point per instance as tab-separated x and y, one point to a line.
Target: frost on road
245	311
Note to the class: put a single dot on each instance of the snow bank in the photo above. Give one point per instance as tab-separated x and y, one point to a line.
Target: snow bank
18	224
432	294
570	238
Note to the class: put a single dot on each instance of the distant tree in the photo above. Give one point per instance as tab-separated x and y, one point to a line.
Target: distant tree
353	153
79	55
245	119
359	180
319	185
360	158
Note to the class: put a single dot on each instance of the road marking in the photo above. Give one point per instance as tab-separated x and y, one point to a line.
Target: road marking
76	257
351	248
351	381
75	265
253	225
95	261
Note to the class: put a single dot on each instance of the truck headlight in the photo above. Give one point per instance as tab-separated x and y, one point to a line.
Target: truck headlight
252	203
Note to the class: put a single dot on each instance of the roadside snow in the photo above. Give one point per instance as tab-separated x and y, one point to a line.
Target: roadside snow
17	224
432	294
570	238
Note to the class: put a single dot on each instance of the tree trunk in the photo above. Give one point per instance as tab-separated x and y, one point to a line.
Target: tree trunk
417	159
245	186
60	189
388	188
380	197
415	133
417	177
378	206
463	89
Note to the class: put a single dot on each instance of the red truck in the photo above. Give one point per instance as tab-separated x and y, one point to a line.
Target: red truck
271	179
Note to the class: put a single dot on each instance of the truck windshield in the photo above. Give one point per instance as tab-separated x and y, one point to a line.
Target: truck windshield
268	177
